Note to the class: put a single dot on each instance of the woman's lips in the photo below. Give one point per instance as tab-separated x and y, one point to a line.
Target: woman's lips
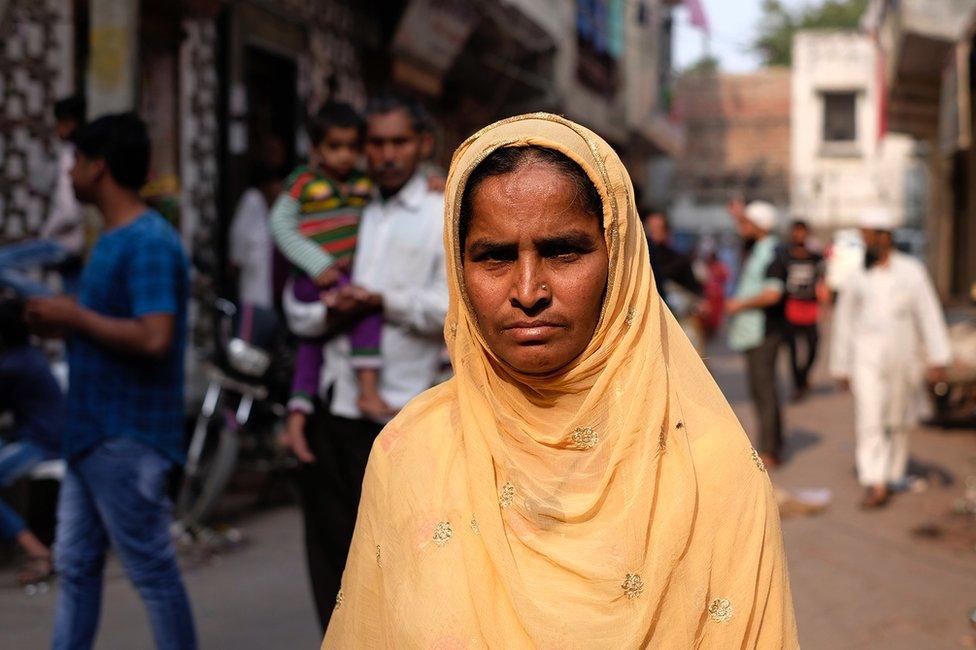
531	331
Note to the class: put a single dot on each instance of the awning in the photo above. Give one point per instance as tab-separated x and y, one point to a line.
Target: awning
918	38
433	34
429	38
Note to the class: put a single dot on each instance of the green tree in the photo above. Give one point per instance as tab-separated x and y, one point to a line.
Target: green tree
774	42
707	64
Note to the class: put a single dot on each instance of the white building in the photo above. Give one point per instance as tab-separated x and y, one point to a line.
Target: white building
841	161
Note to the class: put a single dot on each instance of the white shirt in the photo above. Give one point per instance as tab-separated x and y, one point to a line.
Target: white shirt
888	318
250	249
400	255
65	222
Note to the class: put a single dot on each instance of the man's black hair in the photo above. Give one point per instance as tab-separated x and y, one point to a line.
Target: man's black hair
800	223
70	108
333	115
121	140
388	101
13	329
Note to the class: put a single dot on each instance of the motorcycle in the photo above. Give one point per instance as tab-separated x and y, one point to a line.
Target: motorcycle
242	411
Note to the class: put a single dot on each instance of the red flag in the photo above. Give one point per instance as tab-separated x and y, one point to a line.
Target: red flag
881	71
696	14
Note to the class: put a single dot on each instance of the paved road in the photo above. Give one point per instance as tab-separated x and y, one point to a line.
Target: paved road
256	597
860	580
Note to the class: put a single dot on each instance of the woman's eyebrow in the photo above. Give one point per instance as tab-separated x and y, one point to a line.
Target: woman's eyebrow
570	239
484	245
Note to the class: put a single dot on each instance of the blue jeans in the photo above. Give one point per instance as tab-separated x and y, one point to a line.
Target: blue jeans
27	254
116	493
16	460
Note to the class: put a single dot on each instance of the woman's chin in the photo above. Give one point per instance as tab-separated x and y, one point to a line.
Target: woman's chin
537	359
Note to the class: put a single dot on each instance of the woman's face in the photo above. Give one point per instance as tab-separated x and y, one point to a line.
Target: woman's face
535	268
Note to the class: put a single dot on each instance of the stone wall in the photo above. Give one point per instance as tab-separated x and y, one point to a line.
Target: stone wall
36	44
737	135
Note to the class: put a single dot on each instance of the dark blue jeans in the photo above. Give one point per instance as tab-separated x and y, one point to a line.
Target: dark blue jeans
16	460
116	493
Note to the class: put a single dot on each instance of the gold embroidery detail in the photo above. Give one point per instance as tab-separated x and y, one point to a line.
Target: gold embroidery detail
631	315
585	438
443	533
453	331
377	554
474	526
720	610
339	598
507	495
632	585
757	460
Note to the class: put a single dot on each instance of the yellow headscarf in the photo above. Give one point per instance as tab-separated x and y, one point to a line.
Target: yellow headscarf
616	503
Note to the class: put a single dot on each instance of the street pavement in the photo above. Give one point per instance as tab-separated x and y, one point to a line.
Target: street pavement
860	580
863	579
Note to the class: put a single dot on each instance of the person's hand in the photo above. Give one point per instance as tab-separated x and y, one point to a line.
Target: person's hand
844	384
733	306
293	437
936	375
352	299
344	265
329	277
52	317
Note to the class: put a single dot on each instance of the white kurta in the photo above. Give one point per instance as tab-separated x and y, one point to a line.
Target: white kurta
888	327
400	254
251	249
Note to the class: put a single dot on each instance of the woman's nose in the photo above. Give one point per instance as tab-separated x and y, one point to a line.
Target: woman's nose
531	290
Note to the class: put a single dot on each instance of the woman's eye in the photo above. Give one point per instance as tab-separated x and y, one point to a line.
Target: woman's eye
565	255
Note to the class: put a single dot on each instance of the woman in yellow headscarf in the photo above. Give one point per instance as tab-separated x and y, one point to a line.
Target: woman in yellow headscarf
581	482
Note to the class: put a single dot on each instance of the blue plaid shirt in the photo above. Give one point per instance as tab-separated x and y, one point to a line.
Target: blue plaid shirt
134	270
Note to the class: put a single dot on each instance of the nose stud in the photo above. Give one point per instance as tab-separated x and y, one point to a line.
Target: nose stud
544	287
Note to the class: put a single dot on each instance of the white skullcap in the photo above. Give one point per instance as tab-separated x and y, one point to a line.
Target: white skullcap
762	214
878	219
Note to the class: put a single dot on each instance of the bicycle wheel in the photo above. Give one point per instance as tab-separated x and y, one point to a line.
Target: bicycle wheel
202	488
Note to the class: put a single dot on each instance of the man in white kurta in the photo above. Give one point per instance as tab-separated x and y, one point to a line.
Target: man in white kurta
889	334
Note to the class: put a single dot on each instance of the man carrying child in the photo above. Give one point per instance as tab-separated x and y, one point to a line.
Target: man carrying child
398	277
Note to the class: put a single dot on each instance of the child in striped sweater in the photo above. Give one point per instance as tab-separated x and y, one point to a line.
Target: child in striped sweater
315	223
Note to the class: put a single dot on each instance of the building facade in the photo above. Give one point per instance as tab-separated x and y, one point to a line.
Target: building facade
226	85
842	163
221	81
737	134
926	48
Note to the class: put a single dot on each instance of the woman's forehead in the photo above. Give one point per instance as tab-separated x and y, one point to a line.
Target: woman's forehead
532	182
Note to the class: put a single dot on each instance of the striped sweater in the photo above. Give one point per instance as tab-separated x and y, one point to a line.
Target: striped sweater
315	221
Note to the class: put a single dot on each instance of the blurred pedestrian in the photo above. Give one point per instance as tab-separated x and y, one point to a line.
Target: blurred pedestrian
398	273
717	277
675	278
62	236
315	223
124	433
757	324
670	266
804	287
30	392
251	250
888	326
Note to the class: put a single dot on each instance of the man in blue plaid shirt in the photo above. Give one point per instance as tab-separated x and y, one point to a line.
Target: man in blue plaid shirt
126	336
